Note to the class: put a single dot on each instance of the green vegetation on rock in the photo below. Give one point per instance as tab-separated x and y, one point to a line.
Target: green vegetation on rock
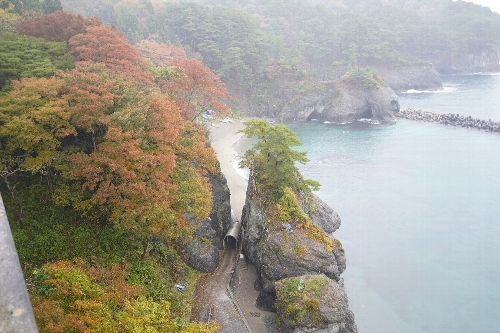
272	160
299	300
367	77
278	180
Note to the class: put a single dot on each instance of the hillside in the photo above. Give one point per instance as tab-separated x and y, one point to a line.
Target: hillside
107	174
255	46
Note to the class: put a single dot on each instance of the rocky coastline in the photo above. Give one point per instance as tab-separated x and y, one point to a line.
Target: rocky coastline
282	256
449	119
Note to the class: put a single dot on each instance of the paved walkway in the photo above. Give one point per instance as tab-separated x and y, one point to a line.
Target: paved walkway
246	296
211	300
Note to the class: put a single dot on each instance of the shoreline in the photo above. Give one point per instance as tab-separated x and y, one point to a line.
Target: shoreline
229	146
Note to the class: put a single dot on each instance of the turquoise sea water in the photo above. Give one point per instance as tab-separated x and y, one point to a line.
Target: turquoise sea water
420	209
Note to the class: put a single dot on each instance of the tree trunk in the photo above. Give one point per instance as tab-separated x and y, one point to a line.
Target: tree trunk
146	249
13	193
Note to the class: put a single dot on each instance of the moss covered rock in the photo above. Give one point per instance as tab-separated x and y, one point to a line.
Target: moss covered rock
312	303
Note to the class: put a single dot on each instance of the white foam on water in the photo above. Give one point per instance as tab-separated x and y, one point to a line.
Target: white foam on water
369	121
243	172
446	89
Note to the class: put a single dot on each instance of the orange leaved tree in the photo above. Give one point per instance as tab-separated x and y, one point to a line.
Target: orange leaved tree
103	44
197	89
160	54
55	27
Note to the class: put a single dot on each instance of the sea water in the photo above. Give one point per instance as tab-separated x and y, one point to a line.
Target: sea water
420	210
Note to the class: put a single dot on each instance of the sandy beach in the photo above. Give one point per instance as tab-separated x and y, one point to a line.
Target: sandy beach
228	147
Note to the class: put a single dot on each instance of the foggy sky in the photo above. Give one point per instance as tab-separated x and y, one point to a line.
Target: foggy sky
493	4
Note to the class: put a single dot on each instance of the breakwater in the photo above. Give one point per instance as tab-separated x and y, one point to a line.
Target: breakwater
449	119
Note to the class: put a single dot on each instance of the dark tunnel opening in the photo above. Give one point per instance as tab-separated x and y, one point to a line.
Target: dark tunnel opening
230	242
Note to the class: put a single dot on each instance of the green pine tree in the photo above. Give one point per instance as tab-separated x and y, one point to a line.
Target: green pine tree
272	160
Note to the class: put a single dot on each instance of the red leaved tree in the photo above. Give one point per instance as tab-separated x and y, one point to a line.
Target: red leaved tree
55	27
93	94
104	44
160	54
197	89
129	173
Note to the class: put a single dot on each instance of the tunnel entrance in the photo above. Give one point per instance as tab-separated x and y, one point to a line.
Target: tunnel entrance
232	235
230	242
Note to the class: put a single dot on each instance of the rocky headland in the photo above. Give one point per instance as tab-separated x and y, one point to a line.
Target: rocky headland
281	252
325	101
404	77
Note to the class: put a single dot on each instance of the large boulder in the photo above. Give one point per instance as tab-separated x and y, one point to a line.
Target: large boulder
321	214
279	253
220	217
202	257
350	102
202	252
313	304
284	254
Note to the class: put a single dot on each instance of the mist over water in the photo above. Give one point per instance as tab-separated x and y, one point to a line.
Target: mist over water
420	209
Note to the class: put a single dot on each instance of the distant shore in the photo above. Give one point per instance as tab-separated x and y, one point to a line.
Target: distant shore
229	146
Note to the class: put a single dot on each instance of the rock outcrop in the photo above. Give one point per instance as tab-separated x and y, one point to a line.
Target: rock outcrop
202	253
484	61
279	252
313	304
411	76
350	102
333	101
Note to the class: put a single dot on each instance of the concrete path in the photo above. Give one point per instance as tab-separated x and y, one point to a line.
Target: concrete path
211	300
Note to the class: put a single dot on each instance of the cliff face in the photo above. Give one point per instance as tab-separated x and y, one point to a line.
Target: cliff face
202	253
485	61
334	101
406	77
280	253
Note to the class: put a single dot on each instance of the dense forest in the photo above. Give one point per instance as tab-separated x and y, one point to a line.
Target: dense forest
104	166
248	42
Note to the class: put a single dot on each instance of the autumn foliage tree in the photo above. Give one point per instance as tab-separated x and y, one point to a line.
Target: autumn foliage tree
119	152
33	122
56	27
73	297
197	89
160	54
102	44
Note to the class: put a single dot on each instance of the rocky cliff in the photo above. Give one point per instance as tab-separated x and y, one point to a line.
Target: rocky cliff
411	76
280	251
202	253
333	101
483	61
